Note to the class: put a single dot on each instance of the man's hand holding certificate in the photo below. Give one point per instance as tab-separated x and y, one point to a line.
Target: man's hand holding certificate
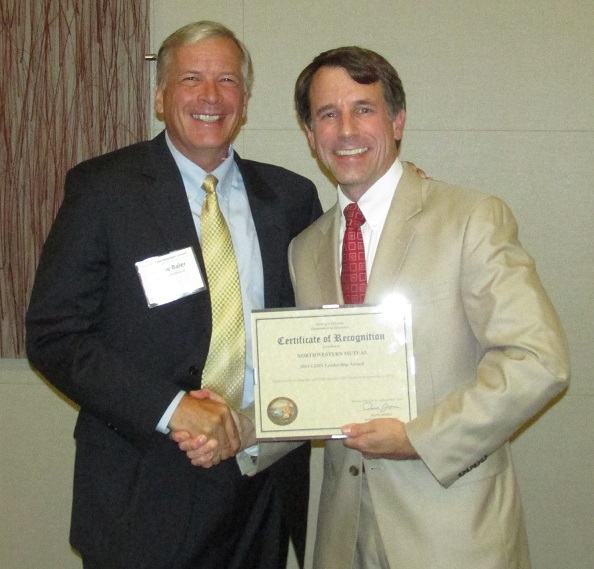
320	369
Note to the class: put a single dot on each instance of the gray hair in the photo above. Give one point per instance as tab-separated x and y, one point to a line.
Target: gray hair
193	33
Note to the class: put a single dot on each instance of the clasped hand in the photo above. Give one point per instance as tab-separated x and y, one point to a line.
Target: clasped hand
208	447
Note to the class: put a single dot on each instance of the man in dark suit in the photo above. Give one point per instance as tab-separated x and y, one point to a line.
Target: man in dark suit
127	342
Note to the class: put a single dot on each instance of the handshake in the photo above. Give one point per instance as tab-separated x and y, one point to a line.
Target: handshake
208	430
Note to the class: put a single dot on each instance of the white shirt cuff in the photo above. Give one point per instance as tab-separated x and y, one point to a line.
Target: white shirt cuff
162	425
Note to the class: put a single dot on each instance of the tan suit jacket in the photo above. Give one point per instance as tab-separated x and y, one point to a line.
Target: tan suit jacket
490	353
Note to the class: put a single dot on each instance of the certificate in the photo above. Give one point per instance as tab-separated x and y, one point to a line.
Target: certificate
316	370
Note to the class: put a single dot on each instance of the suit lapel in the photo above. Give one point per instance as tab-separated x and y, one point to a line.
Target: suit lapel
270	228
327	263
396	236
167	201
166	196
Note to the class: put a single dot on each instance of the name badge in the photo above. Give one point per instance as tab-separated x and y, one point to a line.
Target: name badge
169	277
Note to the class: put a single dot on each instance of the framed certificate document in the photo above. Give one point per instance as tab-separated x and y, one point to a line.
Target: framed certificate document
316	370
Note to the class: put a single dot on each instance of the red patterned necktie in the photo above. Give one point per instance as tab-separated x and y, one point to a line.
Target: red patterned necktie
354	273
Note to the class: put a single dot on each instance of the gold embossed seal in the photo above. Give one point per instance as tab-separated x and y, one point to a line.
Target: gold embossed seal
282	411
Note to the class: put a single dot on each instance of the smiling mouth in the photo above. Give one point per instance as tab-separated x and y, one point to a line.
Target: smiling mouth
207	118
352	152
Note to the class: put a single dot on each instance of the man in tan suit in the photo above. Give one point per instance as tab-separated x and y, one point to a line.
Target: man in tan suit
438	491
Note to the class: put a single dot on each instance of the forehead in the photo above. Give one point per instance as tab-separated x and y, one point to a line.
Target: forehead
334	86
216	53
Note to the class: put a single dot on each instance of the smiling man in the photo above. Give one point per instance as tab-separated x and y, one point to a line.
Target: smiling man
121	322
202	96
440	490
355	131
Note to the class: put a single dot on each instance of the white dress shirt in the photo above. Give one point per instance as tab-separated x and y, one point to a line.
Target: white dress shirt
374	205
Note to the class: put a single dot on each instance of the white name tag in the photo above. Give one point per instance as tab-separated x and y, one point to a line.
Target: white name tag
169	277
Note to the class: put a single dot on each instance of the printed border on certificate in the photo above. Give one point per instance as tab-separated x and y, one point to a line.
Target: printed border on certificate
316	370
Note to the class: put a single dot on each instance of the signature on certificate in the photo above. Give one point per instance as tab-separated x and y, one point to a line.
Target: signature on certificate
380	406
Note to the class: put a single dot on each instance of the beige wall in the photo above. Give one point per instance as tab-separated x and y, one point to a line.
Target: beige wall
499	97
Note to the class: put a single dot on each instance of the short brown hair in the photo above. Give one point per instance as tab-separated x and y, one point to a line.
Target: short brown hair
363	65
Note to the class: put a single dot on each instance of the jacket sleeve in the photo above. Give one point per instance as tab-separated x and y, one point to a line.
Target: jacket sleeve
71	324
522	355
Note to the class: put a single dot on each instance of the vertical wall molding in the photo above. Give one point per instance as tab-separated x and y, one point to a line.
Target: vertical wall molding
73	84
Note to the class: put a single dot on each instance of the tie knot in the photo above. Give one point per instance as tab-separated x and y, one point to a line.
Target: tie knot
353	215
210	184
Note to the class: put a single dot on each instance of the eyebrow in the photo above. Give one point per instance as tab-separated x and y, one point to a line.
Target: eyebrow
325	108
357	103
202	72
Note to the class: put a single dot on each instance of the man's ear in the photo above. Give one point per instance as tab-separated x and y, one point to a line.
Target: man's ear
398	124
159	101
244	111
310	136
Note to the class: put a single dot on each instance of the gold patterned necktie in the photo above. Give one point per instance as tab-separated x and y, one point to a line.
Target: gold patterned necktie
225	365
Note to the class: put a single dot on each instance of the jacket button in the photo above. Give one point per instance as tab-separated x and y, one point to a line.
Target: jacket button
354	470
193	370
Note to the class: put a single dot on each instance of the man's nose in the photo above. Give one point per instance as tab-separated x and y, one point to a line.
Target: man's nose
210	91
348	125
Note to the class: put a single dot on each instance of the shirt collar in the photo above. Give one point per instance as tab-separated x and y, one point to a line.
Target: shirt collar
375	201
194	176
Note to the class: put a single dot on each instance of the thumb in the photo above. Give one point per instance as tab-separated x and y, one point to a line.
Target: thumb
206	394
353	430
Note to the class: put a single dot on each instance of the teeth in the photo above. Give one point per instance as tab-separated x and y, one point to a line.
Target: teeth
207	118
352	152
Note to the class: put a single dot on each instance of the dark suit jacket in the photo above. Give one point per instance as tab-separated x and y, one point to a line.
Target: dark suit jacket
91	334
